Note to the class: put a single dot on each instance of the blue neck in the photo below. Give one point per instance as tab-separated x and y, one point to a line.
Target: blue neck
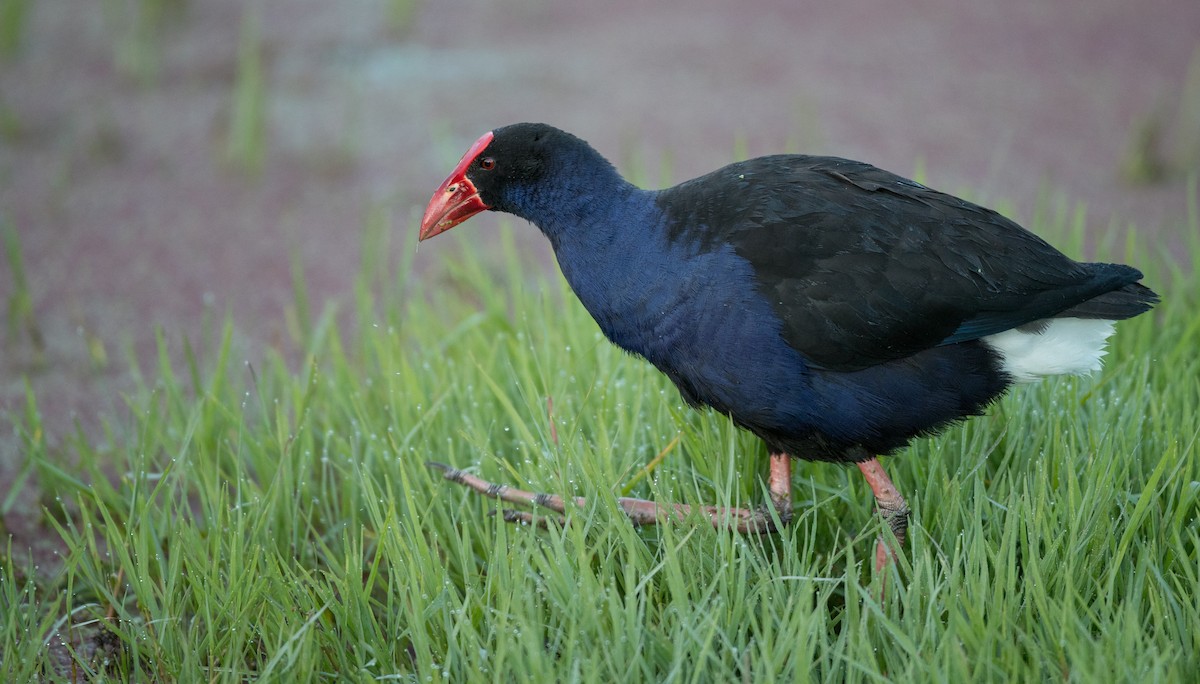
587	200
652	293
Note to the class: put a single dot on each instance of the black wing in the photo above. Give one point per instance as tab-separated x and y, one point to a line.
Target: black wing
864	266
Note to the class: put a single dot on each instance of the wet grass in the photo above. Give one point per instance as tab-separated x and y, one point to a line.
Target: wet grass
278	521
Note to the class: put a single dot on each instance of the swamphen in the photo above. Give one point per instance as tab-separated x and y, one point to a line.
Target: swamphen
832	308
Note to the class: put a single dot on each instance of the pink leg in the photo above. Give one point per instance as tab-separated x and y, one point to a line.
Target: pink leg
642	512
779	484
891	506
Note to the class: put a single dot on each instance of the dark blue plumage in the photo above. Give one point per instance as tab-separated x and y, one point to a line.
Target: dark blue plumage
834	309
694	311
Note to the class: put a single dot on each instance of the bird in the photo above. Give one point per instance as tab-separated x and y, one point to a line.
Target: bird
833	309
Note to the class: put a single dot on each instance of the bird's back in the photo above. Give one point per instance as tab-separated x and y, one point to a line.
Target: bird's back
863	266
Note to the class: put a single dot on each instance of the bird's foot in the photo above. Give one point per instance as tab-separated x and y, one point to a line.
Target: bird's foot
639	511
892	507
895	514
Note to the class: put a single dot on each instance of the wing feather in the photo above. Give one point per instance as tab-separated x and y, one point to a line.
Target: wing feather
863	266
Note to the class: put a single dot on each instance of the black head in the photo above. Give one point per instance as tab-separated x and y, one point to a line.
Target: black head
501	172
519	154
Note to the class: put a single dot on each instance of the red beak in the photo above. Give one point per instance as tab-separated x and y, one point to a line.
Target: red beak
456	199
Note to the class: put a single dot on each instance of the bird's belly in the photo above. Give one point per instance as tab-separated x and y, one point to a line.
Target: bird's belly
699	319
741	367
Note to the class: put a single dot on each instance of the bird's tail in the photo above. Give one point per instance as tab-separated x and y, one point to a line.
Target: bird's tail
1126	301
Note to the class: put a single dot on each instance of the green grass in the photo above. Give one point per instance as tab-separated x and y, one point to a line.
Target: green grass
246	145
401	14
1164	142
277	521
13	17
20	316
139	30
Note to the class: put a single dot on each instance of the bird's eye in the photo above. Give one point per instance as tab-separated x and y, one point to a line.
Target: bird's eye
487	163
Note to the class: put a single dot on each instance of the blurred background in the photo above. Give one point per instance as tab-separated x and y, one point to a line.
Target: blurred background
164	161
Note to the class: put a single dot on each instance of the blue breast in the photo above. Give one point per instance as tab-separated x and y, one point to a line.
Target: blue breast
694	314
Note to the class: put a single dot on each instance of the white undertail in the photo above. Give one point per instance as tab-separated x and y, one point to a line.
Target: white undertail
1062	346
